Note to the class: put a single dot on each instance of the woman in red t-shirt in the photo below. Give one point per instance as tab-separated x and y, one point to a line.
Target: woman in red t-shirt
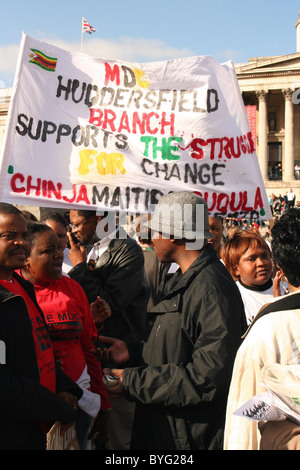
69	321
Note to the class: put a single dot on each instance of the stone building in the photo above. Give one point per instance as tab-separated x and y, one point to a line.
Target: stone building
270	88
5	95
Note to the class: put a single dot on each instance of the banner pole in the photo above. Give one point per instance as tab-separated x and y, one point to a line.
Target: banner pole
82	34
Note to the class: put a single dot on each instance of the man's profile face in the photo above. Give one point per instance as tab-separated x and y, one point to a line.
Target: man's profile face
83	227
163	248
216	228
14	246
60	231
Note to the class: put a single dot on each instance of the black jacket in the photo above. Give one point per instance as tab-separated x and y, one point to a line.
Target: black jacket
181	389
119	278
24	403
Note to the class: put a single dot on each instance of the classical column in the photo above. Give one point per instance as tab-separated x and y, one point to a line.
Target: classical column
262	133
288	169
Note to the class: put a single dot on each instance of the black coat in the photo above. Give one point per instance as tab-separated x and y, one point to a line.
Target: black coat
181	390
119	278
24	403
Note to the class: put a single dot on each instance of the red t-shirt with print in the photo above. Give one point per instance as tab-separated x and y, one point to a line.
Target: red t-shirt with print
72	331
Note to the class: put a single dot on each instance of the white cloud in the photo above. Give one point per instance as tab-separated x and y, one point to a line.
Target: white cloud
126	48
229	54
135	49
8	61
8	57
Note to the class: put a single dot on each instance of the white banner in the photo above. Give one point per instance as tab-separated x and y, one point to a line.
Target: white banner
92	133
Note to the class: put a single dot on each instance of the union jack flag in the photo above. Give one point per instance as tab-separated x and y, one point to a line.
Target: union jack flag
86	27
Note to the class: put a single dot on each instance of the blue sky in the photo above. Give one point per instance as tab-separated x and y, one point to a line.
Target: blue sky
138	31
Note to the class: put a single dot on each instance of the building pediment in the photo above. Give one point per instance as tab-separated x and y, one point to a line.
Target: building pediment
267	66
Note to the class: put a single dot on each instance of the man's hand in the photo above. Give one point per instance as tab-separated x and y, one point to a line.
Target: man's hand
73	401
116	350
116	391
77	252
99	432
69	398
100	311
276	284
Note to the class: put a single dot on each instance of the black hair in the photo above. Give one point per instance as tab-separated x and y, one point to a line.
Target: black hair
6	208
35	228
285	245
29	216
55	216
85	213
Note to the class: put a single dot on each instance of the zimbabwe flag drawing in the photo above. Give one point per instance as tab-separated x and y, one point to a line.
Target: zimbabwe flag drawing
43	61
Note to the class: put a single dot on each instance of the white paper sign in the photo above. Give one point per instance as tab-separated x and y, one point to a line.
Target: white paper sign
92	133
282	398
267	407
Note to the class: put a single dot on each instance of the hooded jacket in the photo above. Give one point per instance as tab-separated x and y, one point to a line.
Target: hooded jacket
24	403
181	388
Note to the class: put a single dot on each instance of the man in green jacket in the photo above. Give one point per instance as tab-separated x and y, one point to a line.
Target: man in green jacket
181	383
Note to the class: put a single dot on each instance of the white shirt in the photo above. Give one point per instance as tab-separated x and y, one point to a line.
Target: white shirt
67	265
100	247
254	300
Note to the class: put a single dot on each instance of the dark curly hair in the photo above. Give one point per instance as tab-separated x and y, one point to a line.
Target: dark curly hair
286	245
54	216
6	208
34	229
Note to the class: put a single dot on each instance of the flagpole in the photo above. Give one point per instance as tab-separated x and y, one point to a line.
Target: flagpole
85	27
81	33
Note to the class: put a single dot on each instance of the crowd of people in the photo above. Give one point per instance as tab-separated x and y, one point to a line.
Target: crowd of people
280	204
145	342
